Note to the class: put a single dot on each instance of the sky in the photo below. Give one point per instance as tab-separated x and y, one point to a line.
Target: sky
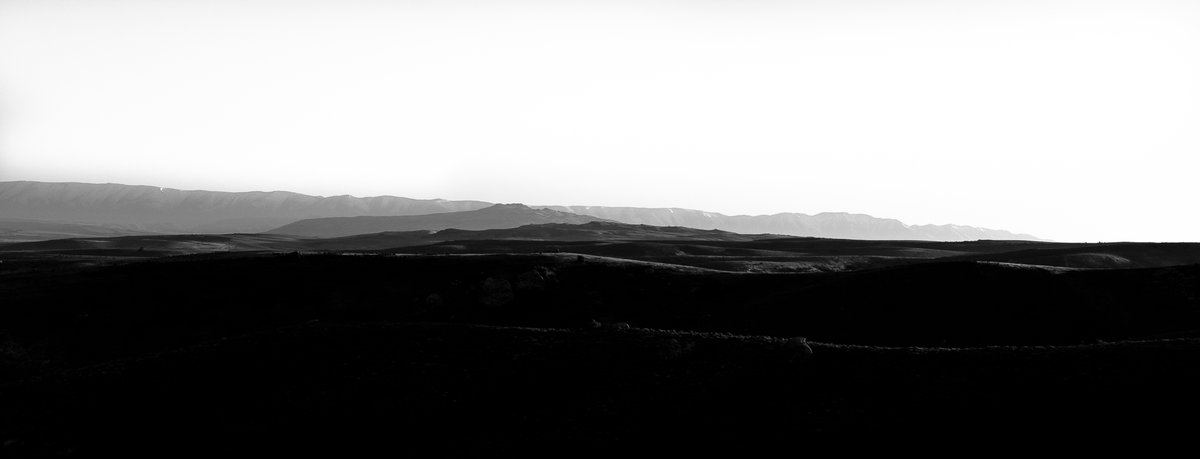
1068	120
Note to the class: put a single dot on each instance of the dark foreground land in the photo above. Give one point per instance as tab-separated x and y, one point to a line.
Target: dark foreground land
447	348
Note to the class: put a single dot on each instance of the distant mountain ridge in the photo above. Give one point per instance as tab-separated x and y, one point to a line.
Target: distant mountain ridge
131	209
168	210
836	225
499	216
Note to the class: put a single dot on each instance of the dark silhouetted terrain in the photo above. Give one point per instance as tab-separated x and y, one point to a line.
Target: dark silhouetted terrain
715	249
598	336
465	389
416	352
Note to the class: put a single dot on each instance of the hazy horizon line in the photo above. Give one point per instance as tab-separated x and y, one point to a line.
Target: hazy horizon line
724	214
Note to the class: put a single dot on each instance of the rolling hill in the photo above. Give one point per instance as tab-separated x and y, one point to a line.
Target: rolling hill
21	230
712	249
601	333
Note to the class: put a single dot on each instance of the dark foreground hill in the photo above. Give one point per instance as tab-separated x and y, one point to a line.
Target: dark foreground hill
712	249
84	316
768	253
454	352
463	389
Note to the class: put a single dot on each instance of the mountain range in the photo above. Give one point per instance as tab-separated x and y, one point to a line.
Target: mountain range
499	216
151	209
838	225
41	210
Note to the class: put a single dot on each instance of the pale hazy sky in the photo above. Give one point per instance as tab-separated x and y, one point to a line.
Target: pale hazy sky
1070	120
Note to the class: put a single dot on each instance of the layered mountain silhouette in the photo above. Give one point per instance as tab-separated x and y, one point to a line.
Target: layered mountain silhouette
114	209
498	216
838	225
165	210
